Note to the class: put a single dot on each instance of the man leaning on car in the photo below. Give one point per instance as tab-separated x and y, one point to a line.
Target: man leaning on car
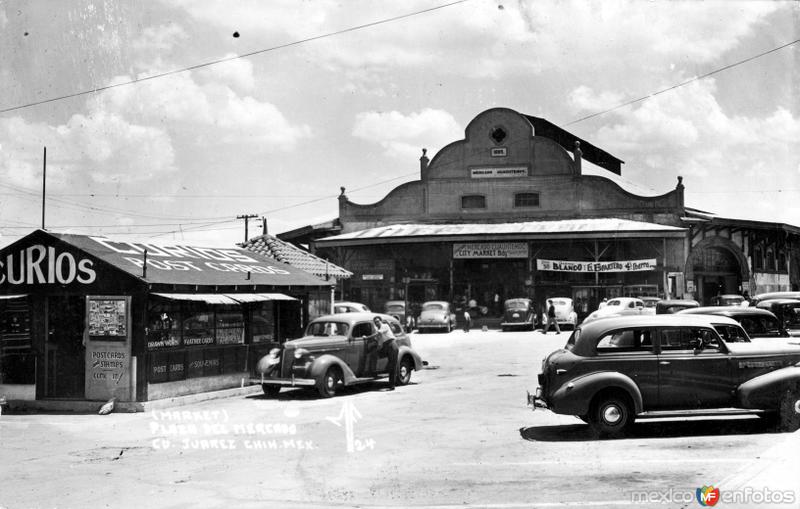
388	347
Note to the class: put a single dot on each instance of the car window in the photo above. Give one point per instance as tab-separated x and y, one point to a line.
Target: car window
614	303
680	338
395	308
362	329
731	333
433	307
626	340
791	316
327	329
395	327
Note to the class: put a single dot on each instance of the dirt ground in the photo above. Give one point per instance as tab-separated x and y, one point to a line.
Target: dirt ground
459	436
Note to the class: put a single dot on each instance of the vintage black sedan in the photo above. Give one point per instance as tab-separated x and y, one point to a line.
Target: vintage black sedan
615	370
336	351
518	314
787	311
759	323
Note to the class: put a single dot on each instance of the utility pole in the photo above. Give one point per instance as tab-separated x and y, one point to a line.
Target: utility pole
44	182
246	218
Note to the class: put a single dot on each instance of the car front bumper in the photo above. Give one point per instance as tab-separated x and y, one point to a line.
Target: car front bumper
535	400
285	382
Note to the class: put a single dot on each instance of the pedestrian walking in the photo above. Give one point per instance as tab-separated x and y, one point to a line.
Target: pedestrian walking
551	317
467	320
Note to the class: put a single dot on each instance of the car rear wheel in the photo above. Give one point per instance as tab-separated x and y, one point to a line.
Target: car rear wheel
270	390
404	371
789	410
329	384
611	415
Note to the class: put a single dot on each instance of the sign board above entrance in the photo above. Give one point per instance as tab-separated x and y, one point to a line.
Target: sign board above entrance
497	173
605	266
490	250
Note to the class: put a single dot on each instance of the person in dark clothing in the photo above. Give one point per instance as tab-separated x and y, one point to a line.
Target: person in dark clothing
551	317
387	346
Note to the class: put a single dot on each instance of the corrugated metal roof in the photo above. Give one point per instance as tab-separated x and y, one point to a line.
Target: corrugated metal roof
576	226
286	252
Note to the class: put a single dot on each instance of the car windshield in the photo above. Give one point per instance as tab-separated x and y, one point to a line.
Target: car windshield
395	308
433	307
650	303
731	333
573	338
326	328
614	302
755	325
516	304
560	302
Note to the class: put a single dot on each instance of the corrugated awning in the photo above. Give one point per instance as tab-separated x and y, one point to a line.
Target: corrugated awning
209	298
258	297
7	297
225	298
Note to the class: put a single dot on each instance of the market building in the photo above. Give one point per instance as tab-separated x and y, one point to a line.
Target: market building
522	208
89	318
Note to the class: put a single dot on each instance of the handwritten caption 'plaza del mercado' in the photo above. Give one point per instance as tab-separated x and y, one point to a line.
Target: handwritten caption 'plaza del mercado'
210	430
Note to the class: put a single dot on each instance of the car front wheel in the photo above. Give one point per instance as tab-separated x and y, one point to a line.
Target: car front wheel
611	415
790	408
329	383
404	371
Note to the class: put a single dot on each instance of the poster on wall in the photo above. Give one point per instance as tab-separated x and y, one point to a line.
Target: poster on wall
108	363
107	317
605	266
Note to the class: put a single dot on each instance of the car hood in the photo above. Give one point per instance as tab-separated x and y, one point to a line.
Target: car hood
315	343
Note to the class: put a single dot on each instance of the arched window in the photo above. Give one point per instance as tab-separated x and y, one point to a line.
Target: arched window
473	201
526	200
758	258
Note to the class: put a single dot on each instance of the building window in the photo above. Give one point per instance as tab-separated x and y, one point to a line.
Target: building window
758	260
781	261
526	200
473	201
770	259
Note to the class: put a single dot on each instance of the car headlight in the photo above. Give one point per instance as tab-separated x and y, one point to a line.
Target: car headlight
300	352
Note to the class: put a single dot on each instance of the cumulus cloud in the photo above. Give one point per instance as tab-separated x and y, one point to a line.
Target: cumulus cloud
404	135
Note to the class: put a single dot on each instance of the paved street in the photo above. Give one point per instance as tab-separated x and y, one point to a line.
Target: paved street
459	436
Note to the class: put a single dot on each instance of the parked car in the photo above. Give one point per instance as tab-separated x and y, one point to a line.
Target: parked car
436	314
397	308
619	306
759	323
773	295
350	307
615	370
668	306
565	312
728	299
337	350
650	304
787	311
518	314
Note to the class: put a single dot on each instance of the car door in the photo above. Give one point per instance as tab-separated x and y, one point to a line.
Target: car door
692	378
632	352
356	352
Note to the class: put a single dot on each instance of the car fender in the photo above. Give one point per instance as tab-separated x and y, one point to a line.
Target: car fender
404	350
321	364
575	396
765	391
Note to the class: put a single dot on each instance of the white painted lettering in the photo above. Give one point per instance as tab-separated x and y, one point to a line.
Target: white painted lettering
35	274
70	265
88	274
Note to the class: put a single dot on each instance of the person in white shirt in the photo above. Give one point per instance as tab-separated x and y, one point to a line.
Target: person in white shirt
387	346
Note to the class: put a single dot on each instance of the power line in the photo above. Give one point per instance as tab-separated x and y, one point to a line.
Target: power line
673	87
235	57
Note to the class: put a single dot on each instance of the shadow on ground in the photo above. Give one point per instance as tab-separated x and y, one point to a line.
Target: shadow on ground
580	432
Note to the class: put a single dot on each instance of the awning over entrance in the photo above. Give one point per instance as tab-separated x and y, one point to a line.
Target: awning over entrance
592	228
224	298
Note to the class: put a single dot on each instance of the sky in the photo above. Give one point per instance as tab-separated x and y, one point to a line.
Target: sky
306	97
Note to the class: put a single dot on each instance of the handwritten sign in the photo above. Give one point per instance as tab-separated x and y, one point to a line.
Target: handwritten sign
605	266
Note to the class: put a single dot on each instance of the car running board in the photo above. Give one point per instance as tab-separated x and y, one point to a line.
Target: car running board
715	412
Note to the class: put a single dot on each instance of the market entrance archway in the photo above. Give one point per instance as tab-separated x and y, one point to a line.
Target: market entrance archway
717	266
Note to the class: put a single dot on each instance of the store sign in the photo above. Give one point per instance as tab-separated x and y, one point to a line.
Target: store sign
490	250
38	264
496	173
612	266
108	349
372	277
188	258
